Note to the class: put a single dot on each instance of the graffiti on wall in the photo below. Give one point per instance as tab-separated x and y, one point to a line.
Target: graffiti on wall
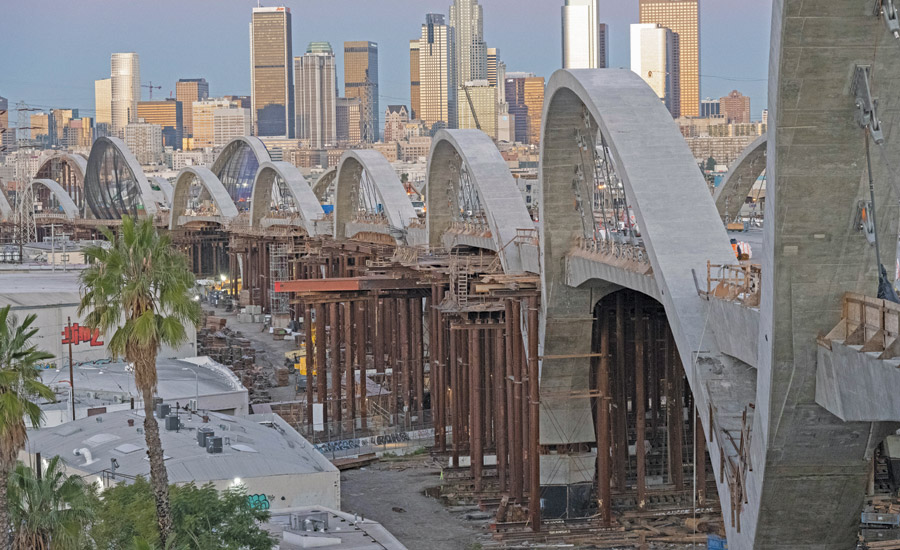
258	502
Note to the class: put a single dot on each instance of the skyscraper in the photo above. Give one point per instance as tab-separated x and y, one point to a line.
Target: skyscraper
496	73
125	73
467	21
271	72
525	95
6	138
316	93
103	106
229	123
361	80
584	40
348	117
683	18
414	89
187	91
735	107
437	74
204	120
168	114
145	141
653	58
395	119
477	107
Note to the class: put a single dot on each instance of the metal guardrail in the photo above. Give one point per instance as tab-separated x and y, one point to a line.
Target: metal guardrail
632	256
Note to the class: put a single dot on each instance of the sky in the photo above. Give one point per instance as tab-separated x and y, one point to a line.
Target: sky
55	49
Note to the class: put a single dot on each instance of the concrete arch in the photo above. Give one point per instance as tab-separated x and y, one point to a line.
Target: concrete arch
320	188
305	200
500	198
659	175
168	192
6	211
78	162
397	207
745	170
211	185
237	163
110	168
70	209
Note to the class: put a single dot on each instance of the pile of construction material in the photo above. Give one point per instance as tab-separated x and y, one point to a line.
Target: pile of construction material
230	348
251	314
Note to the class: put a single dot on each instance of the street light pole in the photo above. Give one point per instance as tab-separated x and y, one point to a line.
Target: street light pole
71	367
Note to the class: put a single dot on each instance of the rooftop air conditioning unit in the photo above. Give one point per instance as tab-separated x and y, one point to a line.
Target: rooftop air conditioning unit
214	444
162	410
202	435
172	423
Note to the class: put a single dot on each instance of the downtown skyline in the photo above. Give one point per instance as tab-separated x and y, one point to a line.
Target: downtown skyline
528	36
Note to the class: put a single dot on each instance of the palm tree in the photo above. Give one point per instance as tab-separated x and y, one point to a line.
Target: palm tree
20	386
138	291
52	510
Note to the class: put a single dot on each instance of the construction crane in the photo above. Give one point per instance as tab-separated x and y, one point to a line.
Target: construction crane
151	87
471	106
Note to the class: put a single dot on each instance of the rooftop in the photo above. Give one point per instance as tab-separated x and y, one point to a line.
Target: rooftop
259	446
104	382
344	531
22	289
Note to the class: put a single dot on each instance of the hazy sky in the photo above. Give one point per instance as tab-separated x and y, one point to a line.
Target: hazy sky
53	50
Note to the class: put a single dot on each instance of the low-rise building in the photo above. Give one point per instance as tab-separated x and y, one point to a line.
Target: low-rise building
277	467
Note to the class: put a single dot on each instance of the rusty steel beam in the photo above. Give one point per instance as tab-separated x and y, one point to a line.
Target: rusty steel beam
534	463
604	491
350	360
639	402
621	401
307	339
454	395
498	370
334	320
361	334
418	350
700	459
476	426
322	376
348	284
512	408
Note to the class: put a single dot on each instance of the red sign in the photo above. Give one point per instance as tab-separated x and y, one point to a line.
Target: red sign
79	335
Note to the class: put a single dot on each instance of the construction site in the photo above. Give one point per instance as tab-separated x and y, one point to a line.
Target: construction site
615	370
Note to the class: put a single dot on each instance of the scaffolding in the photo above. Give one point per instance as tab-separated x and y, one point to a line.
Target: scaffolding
279	271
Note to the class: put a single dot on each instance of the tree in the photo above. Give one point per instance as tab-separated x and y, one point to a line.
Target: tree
20	386
51	511
202	518
138	290
710	164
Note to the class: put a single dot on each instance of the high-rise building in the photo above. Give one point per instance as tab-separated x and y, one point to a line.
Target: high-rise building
525	96
735	107
103	106
316	91
477	107
349	120
125	73
169	115
271	72
361	80
765	117
39	124
683	18
467	21
437	74
584	38
395	119
653	58
59	121
145	141
204	121
6	134
78	133
187	91
493	56
414	84
709	108
229	123
243	101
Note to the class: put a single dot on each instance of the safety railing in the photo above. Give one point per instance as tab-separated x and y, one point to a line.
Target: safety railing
629	255
741	283
734	460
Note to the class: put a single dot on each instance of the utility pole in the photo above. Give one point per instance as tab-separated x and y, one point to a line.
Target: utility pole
71	366
53	246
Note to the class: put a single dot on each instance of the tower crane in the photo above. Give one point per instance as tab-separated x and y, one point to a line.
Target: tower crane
151	87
